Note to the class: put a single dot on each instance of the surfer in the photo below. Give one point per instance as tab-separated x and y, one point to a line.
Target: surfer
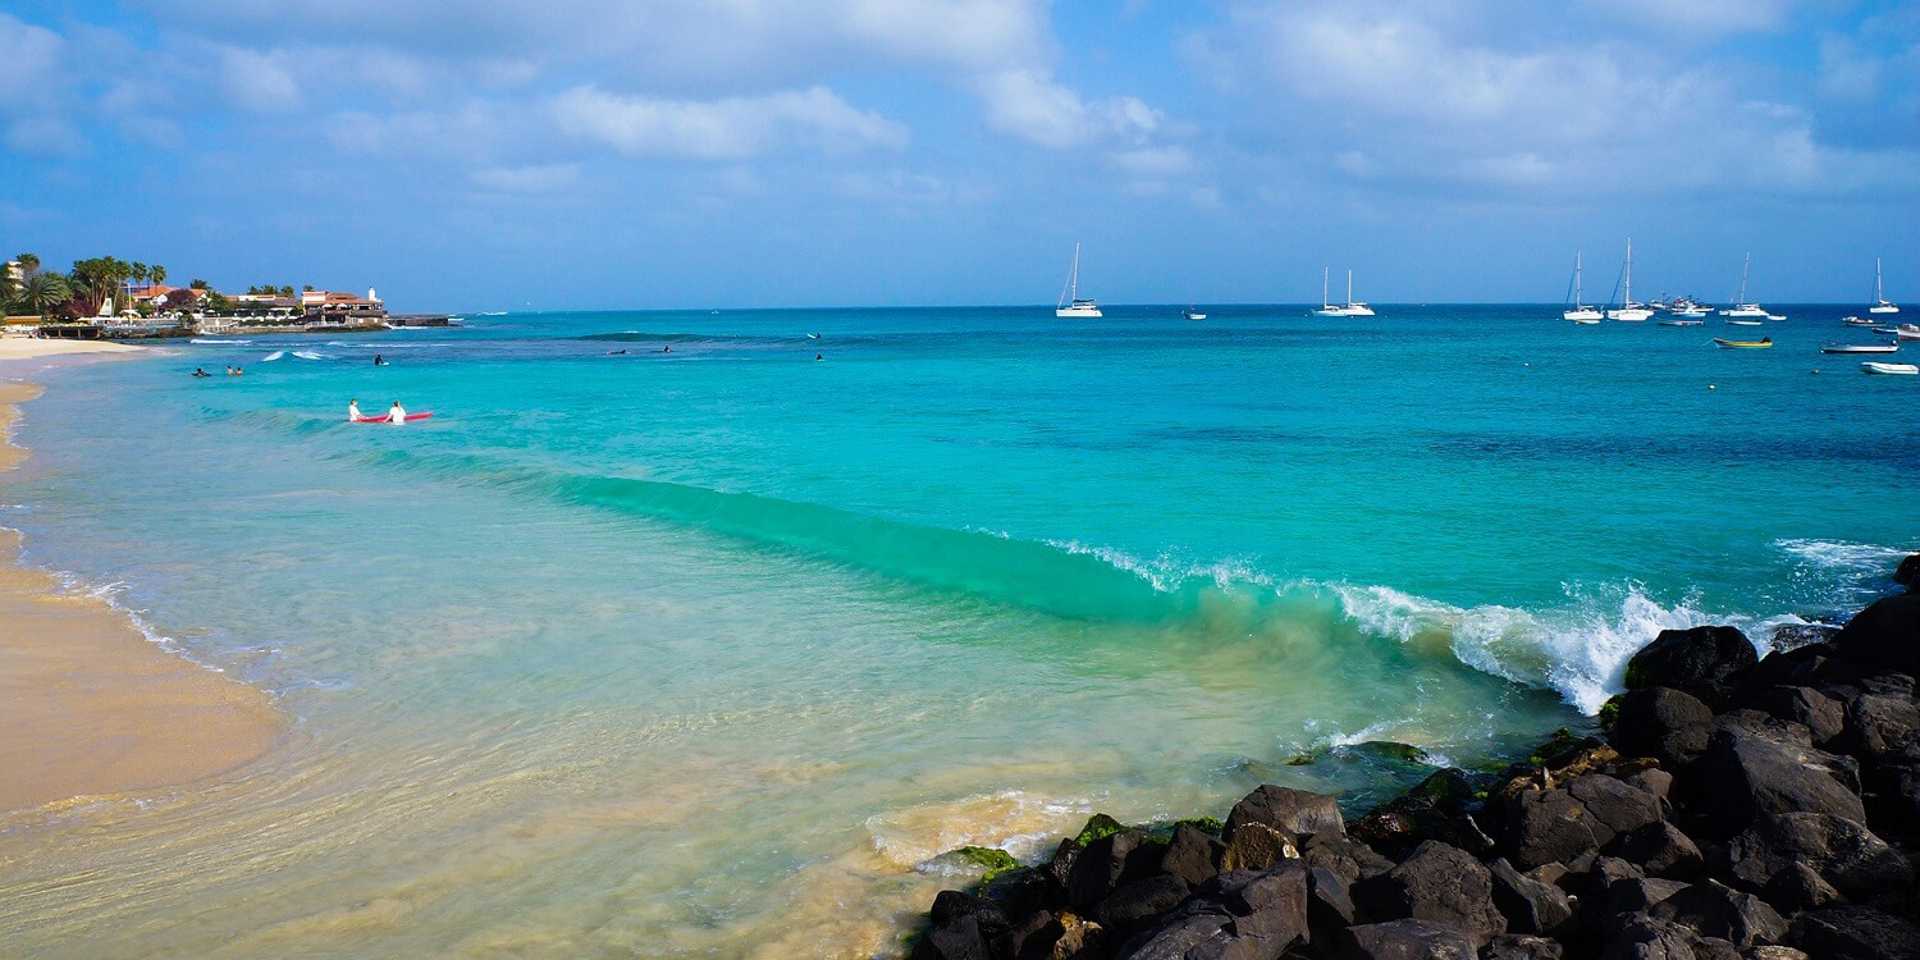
818	357
397	415
666	349
198	372
617	353
353	411
379	361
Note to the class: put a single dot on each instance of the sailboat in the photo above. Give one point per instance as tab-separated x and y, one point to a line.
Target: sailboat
1880	302
1581	313
1742	308
1352	308
1629	311
1070	303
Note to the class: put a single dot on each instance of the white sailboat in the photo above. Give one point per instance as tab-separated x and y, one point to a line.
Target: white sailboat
1071	304
1327	309
1686	307
1581	313
1629	311
1880	302
1741	307
1352	308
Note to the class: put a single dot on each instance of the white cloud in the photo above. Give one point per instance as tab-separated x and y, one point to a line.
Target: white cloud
1847	71
731	127
1700	16
1029	104
1154	161
28	58
531	178
258	81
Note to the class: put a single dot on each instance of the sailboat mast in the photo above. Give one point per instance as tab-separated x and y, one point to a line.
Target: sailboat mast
1323	287
1629	277
1349	286
1577	298
1879	293
1744	270
1073	279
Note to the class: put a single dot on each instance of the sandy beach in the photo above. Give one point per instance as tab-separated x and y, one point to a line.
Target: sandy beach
91	706
28	348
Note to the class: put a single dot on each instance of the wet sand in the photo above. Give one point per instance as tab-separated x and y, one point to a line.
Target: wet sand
90	706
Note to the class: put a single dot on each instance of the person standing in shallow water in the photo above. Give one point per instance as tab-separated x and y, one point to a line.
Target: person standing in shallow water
397	415
353	411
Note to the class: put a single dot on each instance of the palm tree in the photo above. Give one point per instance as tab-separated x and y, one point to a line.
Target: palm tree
157	273
29	262
44	291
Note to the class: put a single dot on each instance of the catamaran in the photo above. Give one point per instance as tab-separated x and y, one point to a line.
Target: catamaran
1580	312
1071	304
1741	308
1629	311
1352	308
1880	302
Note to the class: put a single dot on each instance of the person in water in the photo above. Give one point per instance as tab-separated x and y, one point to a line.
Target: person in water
353	411
379	361
397	415
667	349
616	353
198	372
819	357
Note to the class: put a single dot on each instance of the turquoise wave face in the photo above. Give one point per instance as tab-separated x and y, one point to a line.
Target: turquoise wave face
769	624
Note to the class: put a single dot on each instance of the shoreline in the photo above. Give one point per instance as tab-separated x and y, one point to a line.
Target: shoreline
30	348
91	706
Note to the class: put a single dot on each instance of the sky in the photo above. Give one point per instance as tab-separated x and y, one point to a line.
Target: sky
578	154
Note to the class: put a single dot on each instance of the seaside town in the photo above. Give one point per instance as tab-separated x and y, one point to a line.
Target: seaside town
106	298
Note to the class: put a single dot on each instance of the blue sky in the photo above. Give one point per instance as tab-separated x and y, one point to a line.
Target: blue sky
476	154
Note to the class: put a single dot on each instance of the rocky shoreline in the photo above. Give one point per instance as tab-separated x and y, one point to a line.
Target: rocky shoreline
1736	808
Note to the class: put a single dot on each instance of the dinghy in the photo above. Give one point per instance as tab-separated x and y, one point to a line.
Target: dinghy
1859	347
1743	323
1763	343
1890	369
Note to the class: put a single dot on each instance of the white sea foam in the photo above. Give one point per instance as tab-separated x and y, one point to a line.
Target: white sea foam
271	357
1844	555
219	342
310	355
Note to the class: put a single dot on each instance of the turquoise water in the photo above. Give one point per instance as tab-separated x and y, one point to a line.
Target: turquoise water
708	652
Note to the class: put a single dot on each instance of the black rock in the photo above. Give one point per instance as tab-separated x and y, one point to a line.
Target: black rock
1192	855
1716	910
1436	809
1405	940
1799	887
1742	777
959	939
1329	902
1620	807
1823	716
1761	724
1879	725
1662	722
1843	852
1854	933
1634	895
1172	941
1640	937
951	905
1793	636
1108	862
1702	661
1351	859
1514	946
1653	780
1030	939
1547	825
1270	911
1660	849
1439	883
1775	952
1886	633
1133	904
1529	905
1291	812
1908	573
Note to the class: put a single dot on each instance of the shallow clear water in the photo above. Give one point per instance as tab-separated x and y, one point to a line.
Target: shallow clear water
706	653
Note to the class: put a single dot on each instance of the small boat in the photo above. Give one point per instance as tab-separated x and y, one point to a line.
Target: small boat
1686	307
1681	323
1763	343
1880	302
1629	311
813	336
1907	331
1776	316
1071	304
1859	347
411	417
1192	314
1743	323
1741	307
1887	331
1892	369
1577	311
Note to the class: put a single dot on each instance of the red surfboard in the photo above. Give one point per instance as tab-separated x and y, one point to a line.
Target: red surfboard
411	417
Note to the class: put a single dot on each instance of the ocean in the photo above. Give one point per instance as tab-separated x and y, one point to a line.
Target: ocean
711	651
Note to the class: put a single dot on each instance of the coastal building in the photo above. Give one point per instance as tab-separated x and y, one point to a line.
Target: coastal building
335	307
16	271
